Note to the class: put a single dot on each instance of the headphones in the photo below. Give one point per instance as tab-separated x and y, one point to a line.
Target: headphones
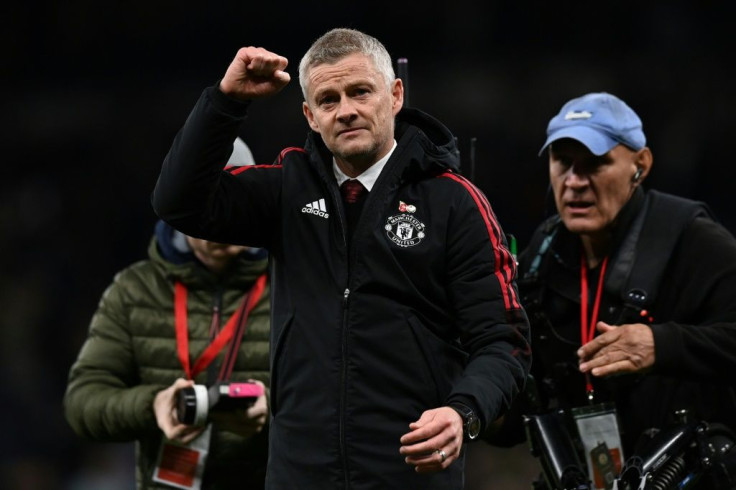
637	175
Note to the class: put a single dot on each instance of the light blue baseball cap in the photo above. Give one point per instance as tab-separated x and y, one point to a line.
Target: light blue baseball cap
598	120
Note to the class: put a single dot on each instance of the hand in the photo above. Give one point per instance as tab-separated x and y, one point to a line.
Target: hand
164	408
439	429
255	73
619	349
245	423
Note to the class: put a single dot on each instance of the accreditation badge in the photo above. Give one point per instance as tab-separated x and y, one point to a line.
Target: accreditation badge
599	433
182	465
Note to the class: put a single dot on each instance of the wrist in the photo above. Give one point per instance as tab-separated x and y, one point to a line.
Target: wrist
471	422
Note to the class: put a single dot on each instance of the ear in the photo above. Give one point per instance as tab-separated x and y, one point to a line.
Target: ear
643	161
397	92
310	117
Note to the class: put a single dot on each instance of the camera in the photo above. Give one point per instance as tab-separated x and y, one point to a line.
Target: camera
195	403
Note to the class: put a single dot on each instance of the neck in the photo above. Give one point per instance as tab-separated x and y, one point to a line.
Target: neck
359	163
353	169
595	248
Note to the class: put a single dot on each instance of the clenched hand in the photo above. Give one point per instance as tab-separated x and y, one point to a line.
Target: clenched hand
255	73
438	431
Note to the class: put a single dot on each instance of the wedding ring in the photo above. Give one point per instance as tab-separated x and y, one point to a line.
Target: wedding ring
442	454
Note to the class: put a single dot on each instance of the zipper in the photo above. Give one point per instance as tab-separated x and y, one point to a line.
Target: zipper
343	385
216	307
337	203
214	330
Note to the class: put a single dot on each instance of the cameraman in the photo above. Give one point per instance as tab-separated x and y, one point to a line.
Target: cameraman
631	293
195	310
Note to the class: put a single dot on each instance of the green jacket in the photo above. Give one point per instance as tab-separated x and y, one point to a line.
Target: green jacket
130	355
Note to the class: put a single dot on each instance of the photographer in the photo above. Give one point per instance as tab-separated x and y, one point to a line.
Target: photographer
194	311
631	293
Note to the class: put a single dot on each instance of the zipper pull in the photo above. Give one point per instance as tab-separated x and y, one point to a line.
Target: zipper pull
215	324
345	296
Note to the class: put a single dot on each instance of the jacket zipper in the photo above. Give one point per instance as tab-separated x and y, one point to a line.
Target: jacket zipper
214	330
343	386
343	371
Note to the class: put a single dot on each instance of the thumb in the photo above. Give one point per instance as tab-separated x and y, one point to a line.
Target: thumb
423	420
604	327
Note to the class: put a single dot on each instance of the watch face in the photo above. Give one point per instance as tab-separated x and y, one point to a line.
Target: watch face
473	426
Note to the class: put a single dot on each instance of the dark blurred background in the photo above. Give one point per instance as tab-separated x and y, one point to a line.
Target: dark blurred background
95	92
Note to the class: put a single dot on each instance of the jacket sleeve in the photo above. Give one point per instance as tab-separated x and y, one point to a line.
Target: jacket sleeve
701	343
197	196
494	328
103	401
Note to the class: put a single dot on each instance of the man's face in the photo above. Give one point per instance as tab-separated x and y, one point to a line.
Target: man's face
215	256
590	190
350	106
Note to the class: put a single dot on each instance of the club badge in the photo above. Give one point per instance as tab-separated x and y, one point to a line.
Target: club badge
404	229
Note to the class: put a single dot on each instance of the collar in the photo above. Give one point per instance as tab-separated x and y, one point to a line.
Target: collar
367	178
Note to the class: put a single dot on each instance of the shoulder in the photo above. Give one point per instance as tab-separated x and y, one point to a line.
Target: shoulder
138	272
135	280
704	235
455	189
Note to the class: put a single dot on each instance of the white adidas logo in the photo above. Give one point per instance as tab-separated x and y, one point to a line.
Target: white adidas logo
316	207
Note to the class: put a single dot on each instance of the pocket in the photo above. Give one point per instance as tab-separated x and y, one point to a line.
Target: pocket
444	361
279	351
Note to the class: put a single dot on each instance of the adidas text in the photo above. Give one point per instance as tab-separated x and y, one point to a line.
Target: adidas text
317	207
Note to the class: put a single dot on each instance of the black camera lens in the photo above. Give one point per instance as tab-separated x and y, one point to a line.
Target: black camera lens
186	405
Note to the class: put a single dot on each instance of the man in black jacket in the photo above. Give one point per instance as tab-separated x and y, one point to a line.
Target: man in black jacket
397	332
631	293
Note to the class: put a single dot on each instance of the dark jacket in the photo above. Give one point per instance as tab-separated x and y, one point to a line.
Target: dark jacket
693	319
419	311
130	355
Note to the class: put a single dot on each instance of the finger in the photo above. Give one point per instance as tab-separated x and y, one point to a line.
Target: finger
601	358
591	348
276	63
424	457
282	77
428	447
433	467
437	461
428	468
266	64
419	449
619	367
190	435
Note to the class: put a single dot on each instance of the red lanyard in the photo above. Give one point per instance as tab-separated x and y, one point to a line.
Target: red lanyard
587	330
222	338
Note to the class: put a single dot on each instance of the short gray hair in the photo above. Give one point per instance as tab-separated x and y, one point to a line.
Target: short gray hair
338	43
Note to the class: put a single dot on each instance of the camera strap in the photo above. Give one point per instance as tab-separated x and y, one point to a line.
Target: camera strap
249	302
587	327
235	327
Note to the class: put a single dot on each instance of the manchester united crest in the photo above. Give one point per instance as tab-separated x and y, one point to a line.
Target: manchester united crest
404	230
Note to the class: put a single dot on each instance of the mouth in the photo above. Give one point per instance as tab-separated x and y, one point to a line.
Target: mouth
348	131
578	206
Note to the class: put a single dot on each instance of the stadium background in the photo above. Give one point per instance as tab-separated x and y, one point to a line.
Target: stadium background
95	92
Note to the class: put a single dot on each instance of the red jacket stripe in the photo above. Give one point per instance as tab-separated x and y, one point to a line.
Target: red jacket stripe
504	262
509	264
289	149
243	168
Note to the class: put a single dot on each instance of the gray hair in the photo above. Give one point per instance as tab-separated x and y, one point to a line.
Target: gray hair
338	43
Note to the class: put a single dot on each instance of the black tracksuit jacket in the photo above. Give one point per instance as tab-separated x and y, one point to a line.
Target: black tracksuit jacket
421	309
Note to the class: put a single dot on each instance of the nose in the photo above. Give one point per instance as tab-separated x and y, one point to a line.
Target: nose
575	178
346	110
